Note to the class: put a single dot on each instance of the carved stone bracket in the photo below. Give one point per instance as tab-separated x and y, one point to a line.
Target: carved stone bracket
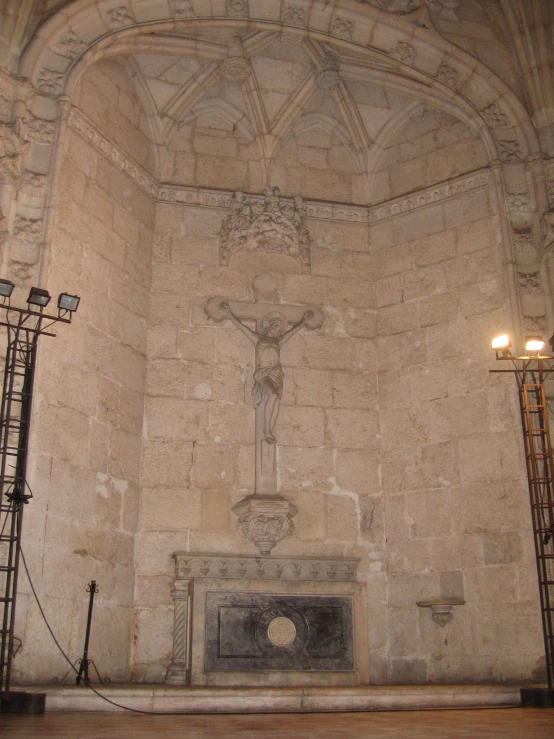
265	520
441	610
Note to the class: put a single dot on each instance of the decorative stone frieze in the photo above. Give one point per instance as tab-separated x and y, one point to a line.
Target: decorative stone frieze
342	28
70	46
113	152
294	15
38	130
547	230
525	251
12	151
518	207
428	196
181	9
494	117
28	229
510	151
253	567
405	52
328	76
50	82
119	17
445	8
34	185
272	226
448	76
237	8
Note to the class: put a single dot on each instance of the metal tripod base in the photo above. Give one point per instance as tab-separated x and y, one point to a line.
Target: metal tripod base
20	702
537	697
82	673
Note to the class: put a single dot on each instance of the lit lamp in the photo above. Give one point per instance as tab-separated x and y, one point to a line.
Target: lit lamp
501	344
24	328
534	346
530	371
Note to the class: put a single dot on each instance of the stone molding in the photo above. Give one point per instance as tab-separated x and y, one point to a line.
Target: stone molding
117	156
429	196
233	566
317	209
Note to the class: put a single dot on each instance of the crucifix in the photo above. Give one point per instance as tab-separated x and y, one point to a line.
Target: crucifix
265	516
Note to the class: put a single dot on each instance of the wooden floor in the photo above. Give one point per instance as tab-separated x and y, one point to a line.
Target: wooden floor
509	723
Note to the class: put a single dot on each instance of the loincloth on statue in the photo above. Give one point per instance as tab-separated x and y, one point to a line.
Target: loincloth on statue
275	374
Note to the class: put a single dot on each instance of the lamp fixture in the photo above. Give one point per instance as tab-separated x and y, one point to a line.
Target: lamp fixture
501	344
6	288
38	296
68	302
534	345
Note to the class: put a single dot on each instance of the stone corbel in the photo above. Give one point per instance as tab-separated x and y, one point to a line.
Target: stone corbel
441	609
178	672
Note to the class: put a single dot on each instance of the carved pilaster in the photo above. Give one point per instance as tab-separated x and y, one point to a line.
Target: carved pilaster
178	672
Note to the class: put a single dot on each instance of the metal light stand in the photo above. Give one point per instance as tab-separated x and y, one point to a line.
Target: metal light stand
84	662
530	373
24	327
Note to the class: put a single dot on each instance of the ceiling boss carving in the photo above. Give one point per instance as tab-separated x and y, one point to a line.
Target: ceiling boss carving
271	226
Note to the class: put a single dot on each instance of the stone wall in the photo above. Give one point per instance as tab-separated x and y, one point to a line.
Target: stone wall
394	442
89	407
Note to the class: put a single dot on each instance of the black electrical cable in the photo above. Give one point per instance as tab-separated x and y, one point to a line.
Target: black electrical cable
108	700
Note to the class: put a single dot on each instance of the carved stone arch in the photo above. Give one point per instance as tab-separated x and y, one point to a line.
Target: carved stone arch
389	48
87	21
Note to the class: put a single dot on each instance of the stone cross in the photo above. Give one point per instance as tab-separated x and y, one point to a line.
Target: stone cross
262	515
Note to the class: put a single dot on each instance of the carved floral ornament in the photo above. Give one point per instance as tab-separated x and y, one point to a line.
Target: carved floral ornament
12	151
271	226
444	8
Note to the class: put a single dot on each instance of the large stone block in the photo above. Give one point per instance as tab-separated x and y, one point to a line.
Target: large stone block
396	319
329	352
214	466
313	387
347	293
170	509
172	418
305	468
420	223
358	471
166	463
348	428
300	427
354	390
207	381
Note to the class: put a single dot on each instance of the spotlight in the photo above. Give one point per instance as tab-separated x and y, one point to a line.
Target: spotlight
501	344
534	345
39	297
6	288
68	302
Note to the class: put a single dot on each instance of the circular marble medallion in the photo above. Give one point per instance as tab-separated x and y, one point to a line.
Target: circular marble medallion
281	631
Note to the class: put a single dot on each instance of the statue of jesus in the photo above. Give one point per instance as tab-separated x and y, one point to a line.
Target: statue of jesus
268	375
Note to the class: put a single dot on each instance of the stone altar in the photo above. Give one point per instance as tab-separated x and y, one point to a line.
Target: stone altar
268	620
